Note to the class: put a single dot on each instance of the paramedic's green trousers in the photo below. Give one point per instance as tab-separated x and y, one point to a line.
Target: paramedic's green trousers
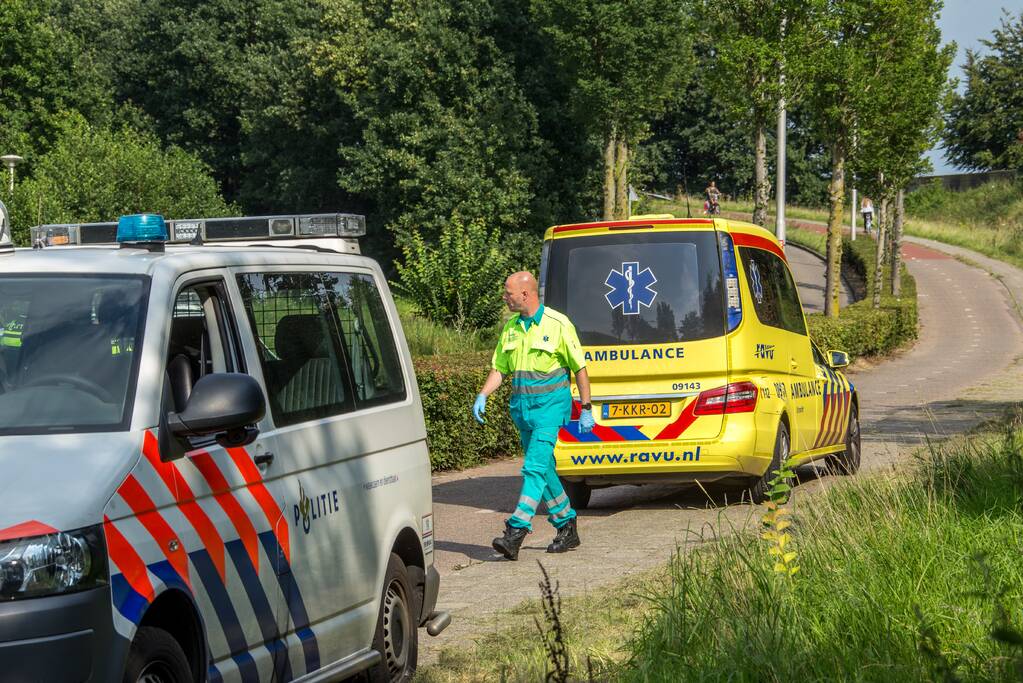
540	481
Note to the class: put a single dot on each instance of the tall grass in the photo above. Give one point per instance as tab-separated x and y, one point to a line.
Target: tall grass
900	579
987	218
427	338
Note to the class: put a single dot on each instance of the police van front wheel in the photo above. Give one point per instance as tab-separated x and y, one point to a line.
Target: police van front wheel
156	657
396	637
578	494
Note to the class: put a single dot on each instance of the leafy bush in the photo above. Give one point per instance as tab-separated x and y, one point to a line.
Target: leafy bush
448	385
457	281
96	174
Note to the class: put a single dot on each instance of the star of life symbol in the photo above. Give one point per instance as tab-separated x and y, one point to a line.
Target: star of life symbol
630	288
756	284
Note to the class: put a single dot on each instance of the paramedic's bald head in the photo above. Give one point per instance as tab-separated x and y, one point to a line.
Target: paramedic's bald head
520	293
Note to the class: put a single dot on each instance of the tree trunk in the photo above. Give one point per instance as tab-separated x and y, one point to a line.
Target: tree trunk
761	185
882	235
836	196
622	179
609	176
900	207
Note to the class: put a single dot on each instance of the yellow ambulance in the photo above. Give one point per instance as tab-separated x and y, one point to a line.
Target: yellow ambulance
697	349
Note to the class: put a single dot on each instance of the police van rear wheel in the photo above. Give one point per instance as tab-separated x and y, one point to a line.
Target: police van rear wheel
761	490
396	637
578	494
156	657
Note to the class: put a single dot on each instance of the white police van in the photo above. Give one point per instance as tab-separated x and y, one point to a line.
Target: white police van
213	460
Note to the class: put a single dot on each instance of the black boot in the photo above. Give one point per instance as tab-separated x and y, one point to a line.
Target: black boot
508	545
566	539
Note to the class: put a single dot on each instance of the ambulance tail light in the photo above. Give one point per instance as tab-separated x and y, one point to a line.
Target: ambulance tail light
739	397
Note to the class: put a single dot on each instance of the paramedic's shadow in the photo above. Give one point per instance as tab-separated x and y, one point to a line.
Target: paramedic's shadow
501	493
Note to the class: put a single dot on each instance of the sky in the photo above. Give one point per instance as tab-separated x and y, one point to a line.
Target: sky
967	22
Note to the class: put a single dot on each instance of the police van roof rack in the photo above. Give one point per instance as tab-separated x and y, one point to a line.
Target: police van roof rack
199	231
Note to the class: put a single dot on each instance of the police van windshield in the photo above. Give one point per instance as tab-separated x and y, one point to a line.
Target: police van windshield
68	352
638	288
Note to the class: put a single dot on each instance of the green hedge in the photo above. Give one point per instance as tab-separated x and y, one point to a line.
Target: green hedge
448	385
860	329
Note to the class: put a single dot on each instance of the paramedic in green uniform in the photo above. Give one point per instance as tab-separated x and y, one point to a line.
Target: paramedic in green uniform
538	348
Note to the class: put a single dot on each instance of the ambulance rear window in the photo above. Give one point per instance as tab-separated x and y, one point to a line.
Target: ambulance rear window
638	288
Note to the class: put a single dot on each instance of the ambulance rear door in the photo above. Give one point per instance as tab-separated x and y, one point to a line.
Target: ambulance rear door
649	306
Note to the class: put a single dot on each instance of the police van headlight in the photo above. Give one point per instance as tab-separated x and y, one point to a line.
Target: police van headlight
55	563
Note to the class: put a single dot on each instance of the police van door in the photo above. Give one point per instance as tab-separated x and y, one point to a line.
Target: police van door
236	526
339	404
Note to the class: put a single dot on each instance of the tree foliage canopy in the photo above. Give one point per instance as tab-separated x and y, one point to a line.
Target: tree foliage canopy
95	174
984	124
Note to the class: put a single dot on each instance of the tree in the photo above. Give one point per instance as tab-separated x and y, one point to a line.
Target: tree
625	59
901	119
862	47
754	40
200	69
96	174
984	125
444	127
41	75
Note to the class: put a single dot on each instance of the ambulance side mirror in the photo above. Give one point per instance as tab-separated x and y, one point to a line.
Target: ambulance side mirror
838	359
225	404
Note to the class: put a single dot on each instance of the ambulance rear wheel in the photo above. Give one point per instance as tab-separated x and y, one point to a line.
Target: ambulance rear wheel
156	657
578	494
396	637
848	461
761	490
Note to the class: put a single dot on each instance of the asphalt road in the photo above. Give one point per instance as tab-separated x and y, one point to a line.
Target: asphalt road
964	368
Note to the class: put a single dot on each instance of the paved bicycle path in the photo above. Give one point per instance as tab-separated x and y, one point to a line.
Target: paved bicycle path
963	369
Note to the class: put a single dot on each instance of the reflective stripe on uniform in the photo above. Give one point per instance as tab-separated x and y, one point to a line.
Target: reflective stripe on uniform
534	375
539	388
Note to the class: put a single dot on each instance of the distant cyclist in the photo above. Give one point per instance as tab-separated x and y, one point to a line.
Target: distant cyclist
712	204
867	209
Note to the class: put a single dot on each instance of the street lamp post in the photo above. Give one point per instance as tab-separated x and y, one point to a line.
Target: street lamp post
10	161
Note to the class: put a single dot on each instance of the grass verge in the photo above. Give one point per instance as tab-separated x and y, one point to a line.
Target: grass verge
910	578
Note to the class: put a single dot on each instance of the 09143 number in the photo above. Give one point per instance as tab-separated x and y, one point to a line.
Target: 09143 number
685	386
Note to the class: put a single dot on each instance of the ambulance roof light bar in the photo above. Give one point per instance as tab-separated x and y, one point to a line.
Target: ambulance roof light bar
6	241
242	228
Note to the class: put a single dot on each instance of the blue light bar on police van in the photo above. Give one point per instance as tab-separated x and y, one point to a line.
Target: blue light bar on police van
250	228
141	227
268	227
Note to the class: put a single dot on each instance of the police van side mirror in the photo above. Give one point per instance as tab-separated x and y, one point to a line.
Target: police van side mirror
221	404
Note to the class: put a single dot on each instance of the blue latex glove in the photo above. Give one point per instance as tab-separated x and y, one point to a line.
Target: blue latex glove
586	421
479	407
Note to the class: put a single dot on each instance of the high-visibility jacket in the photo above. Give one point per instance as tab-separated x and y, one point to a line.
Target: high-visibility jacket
538	353
10	334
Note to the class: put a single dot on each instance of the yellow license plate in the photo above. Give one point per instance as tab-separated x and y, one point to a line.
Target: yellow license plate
617	411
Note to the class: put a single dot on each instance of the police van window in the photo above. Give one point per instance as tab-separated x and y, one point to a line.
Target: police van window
638	288
68	352
774	294
366	333
296	336
202	340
